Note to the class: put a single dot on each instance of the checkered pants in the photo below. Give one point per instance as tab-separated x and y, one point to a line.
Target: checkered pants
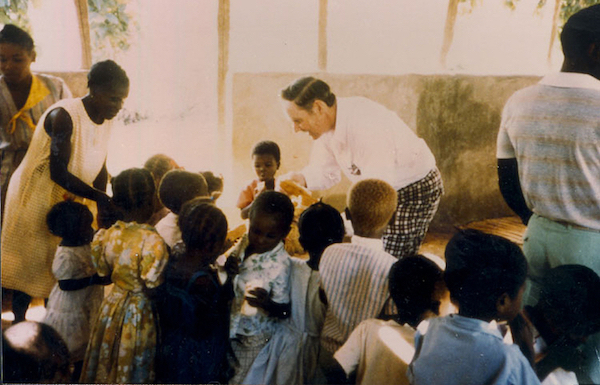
245	348
417	204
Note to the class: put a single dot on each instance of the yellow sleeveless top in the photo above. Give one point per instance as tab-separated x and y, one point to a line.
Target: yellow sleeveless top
27	246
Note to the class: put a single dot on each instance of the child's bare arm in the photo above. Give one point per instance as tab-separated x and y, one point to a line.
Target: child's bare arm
78	284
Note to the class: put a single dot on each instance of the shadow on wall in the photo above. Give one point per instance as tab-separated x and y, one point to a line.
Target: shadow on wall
458	116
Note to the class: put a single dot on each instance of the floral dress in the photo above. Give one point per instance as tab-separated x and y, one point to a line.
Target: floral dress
122	346
73	313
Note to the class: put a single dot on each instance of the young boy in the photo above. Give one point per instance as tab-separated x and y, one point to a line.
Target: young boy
266	158
262	290
355	275
377	351
567	313
485	275
176	188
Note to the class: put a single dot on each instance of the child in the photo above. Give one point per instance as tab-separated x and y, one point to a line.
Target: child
566	315
75	300
291	355
262	292
377	351
176	188
193	307
214	183
355	276
485	275
159	165
266	157
33	352
123	341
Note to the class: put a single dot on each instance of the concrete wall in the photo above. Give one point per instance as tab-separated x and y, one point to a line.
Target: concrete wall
458	116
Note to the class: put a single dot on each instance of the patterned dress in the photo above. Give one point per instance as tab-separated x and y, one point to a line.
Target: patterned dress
123	342
73	313
27	265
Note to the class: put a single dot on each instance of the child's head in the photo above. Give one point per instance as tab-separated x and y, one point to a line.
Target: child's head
214	183
485	275
34	352
71	221
271	216
569	302
320	225
179	186
371	204
266	157
133	192
159	165
203	228
417	288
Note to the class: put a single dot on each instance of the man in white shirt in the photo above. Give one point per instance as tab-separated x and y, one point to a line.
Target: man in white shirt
363	139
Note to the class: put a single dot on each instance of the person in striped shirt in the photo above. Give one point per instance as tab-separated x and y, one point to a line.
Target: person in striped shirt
355	275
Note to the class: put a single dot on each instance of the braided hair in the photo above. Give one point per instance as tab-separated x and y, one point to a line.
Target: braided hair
304	91
133	189
203	226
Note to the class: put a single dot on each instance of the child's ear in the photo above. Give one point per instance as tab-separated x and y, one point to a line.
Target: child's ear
503	305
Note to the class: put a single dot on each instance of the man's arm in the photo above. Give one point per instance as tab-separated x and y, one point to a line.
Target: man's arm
510	188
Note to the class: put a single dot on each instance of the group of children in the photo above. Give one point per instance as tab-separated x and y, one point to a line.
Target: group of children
185	308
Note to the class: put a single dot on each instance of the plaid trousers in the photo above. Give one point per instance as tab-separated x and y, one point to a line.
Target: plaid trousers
417	204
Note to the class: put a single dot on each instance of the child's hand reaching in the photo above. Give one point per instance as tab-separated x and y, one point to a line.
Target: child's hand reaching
262	299
232	266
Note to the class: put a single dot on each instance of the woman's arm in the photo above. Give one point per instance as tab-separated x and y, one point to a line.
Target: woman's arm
59	126
78	284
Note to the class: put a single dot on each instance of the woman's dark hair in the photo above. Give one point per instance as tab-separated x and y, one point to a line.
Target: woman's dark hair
275	204
304	91
14	35
320	225
267	147
107	74
203	226
480	268
67	218
133	189
413	283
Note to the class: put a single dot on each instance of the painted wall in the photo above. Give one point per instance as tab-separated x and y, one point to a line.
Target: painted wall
458	116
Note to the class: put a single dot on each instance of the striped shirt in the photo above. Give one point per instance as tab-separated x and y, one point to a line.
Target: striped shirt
355	279
553	130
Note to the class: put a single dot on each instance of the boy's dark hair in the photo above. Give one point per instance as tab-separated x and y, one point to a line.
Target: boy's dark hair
480	268
267	147
179	186
580	31
203	226
274	204
67	218
569	299
34	352
320	225
413	283
133	189
304	91
107	74
14	35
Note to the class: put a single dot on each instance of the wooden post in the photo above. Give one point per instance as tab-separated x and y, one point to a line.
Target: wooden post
84	31
223	25
323	35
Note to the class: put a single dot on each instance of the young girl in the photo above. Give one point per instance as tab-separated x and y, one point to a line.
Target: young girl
266	157
123	342
193	307
262	294
291	355
75	300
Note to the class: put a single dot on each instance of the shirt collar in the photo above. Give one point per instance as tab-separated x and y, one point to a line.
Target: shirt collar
374	243
571	80
476	325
